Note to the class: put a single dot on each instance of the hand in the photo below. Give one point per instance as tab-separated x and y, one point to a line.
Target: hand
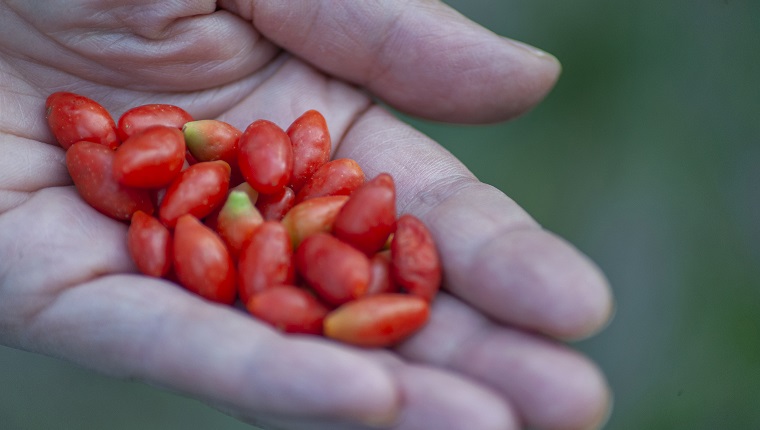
486	360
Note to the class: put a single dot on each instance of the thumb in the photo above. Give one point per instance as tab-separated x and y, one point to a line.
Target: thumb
420	56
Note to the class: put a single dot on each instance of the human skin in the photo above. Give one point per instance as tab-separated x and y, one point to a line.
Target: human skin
491	356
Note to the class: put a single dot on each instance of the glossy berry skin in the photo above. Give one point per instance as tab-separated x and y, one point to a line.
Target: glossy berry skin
312	216
380	280
210	140
198	190
73	118
90	166
311	146
306	244
380	320
265	157
289	309
336	177
415	264
151	158
369	215
149	243
273	207
201	261
337	271
211	219
266	260
237	221
142	117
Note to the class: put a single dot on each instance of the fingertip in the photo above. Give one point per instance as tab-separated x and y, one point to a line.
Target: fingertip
553	387
595	307
360	389
542	71
544	284
436	399
586	401
582	401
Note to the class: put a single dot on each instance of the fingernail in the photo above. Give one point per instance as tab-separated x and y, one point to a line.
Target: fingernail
532	49
605	417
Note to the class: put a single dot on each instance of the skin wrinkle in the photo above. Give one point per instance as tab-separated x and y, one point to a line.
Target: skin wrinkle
461	53
541	390
383	64
433	196
284	94
561	395
478	329
139	349
36	31
570	323
449	188
334	92
23	175
235	388
441	172
351	123
11	199
169	52
55	203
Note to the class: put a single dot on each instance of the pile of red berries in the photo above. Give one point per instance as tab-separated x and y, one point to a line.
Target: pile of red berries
263	215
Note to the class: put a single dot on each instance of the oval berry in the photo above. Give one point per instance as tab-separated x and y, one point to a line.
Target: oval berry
142	117
151	158
311	146
369	216
273	207
336	177
149	243
337	271
201	261
377	321
90	166
266	260
210	140
237	221
198	190
289	309
415	264
380	280
265	156
73	118
312	216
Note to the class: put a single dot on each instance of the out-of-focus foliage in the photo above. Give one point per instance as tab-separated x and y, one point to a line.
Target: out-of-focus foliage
646	156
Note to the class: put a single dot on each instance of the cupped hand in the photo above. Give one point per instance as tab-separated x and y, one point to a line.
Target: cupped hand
488	359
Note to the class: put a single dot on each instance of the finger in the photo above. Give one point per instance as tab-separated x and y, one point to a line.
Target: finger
138	45
439	400
127	327
463	213
494	255
432	399
551	386
295	88
58	296
28	166
422	57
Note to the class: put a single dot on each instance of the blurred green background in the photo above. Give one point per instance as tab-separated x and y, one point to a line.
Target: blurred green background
646	156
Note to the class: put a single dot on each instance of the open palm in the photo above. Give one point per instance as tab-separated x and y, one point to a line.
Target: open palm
486	360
